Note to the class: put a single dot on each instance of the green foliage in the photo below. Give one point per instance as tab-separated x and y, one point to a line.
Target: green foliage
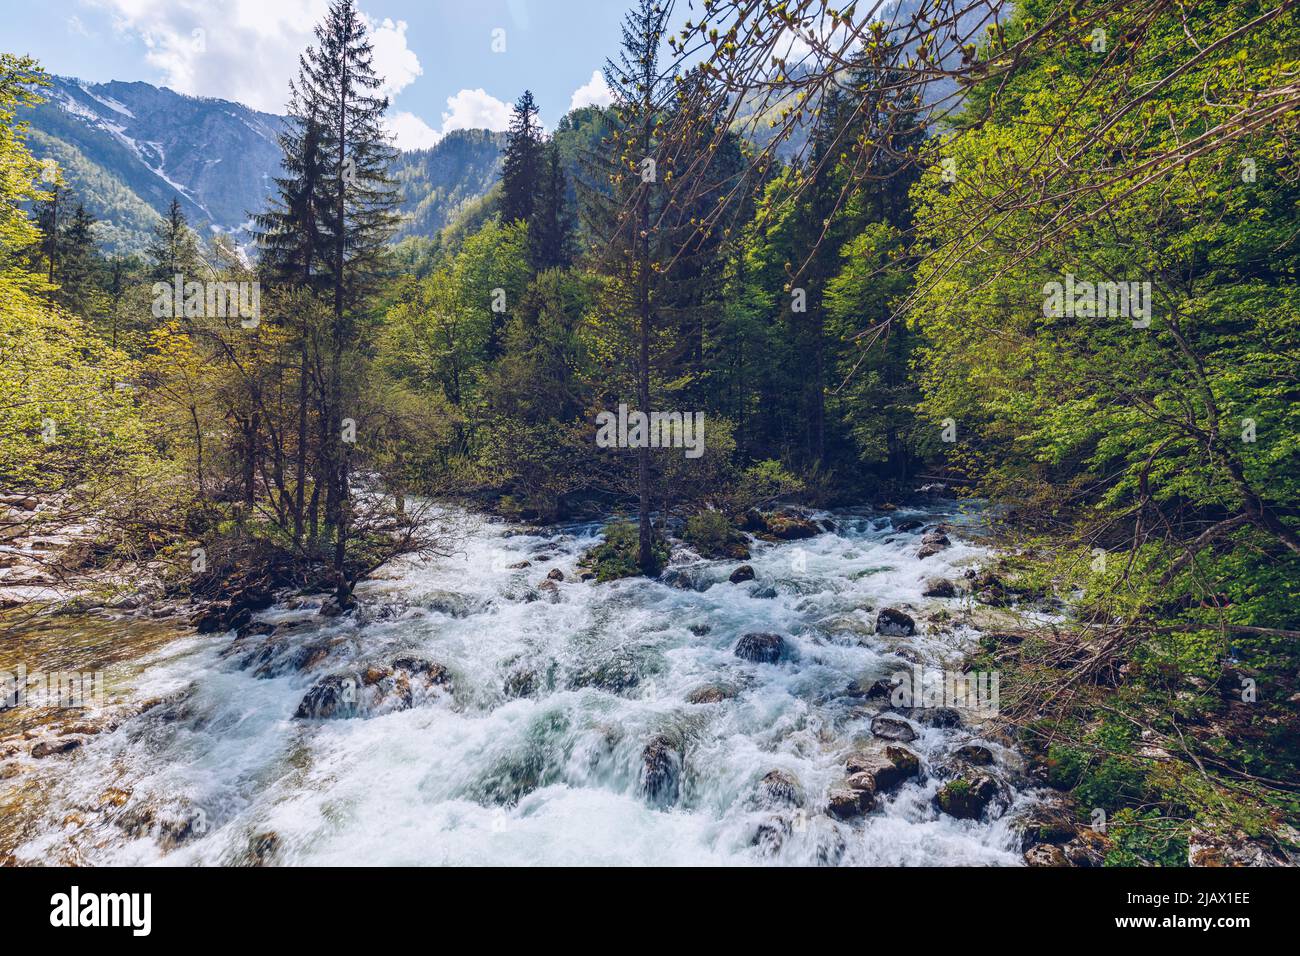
1144	838
616	556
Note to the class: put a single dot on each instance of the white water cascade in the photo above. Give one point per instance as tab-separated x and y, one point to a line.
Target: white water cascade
532	752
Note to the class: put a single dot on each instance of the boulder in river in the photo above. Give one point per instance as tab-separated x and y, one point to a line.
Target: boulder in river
885	770
337	695
742	574
710	694
940	588
760	648
932	542
661	770
894	623
52	748
785	527
966	798
975	755
874	690
555	575
909	524
1045	854
845	803
890	727
779	789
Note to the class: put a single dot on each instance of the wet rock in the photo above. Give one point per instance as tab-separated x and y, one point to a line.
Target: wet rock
114	798
615	673
661	769
945	717
336	696
586	575
555	575
710	694
975	755
894	623
51	748
771	835
699	630
742	574
764	593
263	847
760	648
845	803
940	588
432	673
876	690
1045	854
519	565
785	527
1051	819
1087	849
910	524
885	770
447	602
968	797
521	682
889	727
828	526
779	789
932	542
333	607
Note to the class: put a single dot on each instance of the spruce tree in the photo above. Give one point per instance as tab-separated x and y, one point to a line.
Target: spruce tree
521	169
174	249
355	201
79	266
624	215
550	232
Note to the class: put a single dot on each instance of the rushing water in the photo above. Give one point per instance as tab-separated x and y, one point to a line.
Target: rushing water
534	755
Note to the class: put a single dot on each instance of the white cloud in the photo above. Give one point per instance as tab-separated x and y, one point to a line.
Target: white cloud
468	109
594	93
393	59
475	109
246	50
411	132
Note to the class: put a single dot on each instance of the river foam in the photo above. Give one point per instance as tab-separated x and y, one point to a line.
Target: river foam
535	755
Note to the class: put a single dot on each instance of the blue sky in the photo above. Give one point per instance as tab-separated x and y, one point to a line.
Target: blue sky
438	55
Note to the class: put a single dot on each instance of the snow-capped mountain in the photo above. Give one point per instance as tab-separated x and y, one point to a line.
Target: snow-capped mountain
127	148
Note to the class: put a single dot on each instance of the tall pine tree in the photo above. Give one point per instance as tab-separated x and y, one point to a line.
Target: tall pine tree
521	169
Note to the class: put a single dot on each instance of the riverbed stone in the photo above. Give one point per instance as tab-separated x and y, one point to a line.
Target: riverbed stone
940	588
1045	854
967	797
52	748
555	575
786	527
742	574
845	803
760	648
890	727
885	770
711	694
661	767
335	696
975	755
892	622
778	788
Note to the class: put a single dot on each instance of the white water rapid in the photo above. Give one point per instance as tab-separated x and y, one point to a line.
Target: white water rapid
532	753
